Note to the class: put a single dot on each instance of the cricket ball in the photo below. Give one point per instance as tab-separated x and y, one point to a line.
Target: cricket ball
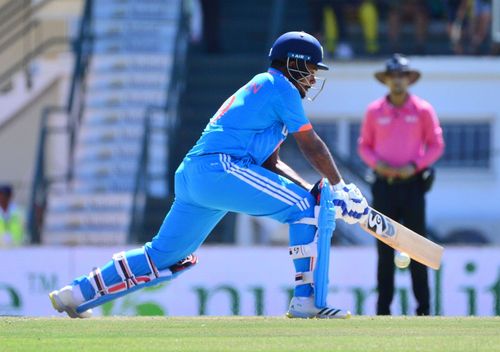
402	260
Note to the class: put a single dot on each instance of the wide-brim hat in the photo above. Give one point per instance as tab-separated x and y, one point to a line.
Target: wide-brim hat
397	63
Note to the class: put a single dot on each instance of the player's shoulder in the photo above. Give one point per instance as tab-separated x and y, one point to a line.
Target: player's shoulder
260	78
265	80
278	79
274	84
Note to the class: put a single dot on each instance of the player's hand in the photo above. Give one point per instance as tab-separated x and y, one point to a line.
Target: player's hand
350	205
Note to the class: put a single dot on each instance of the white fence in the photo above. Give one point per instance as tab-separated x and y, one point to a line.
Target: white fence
251	281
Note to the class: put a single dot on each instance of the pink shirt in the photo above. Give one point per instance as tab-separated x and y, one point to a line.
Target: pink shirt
400	135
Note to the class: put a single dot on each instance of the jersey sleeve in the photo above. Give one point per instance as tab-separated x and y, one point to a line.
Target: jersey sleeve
291	111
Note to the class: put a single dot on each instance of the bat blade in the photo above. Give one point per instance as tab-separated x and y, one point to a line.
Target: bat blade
403	239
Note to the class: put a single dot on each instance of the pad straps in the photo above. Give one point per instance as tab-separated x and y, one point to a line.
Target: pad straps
97	282
152	266
309	250
306	277
123	269
303	250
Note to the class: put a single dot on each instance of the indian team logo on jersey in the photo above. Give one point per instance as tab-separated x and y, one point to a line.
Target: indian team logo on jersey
380	224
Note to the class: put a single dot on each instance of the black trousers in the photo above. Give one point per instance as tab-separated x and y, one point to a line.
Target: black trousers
405	203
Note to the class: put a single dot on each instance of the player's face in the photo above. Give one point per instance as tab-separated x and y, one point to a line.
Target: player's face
310	79
312	82
303	76
398	82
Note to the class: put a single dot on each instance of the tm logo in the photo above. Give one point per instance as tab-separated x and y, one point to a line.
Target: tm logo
42	282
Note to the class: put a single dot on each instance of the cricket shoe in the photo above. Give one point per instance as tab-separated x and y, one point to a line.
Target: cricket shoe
303	307
184	264
64	301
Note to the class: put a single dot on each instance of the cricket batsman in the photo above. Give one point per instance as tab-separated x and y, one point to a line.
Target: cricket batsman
235	167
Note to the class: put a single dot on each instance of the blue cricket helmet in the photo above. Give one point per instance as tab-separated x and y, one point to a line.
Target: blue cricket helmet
298	45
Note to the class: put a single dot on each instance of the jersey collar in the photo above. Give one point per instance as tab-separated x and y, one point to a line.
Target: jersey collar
274	71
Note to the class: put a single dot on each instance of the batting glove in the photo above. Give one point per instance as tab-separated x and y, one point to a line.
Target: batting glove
350	205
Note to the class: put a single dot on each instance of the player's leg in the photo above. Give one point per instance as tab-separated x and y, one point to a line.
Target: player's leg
318	253
384	201
169	253
165	257
414	219
260	192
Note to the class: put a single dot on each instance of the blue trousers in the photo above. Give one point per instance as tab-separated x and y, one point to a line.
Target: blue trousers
206	188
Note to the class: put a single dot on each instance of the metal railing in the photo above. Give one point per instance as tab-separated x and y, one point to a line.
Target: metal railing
18	16
23	63
170	109
73	111
9	11
42	181
22	38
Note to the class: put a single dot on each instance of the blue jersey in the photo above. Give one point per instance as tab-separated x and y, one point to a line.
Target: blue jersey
254	121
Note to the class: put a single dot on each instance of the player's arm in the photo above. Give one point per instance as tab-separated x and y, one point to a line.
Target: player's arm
275	164
318	155
349	203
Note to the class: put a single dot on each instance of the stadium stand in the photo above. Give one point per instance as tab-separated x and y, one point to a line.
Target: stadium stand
118	150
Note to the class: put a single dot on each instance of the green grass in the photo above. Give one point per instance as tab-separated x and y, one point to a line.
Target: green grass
249	334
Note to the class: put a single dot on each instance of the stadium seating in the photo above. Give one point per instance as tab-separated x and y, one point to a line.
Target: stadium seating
130	71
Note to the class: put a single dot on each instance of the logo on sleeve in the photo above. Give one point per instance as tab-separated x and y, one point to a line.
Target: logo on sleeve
254	87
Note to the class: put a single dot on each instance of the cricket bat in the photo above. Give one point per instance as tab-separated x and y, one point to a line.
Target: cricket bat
403	239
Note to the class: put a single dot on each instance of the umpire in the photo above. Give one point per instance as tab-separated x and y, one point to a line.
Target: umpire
400	139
